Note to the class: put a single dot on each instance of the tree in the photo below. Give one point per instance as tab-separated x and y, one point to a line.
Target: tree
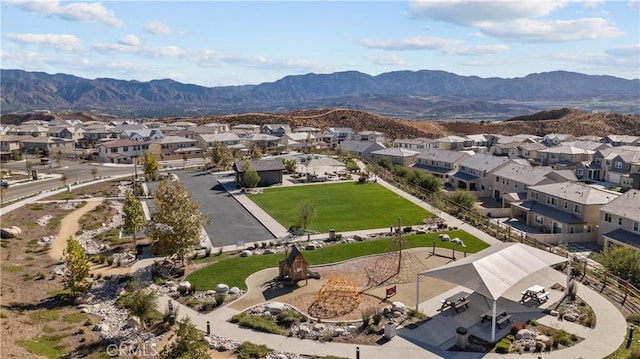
177	222
623	262
150	165
133	216
58	158
94	172
250	177
255	153
289	165
188	343
385	163
216	154
64	179
77	263
139	301
221	156
462	200
306	213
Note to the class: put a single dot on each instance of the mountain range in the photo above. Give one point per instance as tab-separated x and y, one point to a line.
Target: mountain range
418	95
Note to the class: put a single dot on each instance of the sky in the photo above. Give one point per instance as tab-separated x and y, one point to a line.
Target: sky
220	43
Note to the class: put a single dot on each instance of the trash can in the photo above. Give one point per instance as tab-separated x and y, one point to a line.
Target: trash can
389	330
332	234
461	337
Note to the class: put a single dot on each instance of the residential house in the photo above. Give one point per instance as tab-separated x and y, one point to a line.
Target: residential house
370	136
277	130
120	151
620	221
307	129
361	149
475	173
397	156
524	138
298	140
567	212
96	132
187	133
263	141
48	146
415	144
453	142
206	129
73	133
440	163
207	141
515	178
509	149
219	127
142	135
586	145
246	128
554	139
174	146
269	170
617	166
11	147
530	150
183	124
341	133
621	140
602	161
562	157
29	130
480	140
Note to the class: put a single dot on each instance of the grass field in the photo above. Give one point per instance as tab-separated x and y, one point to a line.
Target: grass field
341	206
234	270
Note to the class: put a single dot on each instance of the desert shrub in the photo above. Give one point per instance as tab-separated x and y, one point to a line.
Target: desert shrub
286	318
191	303
562	337
516	327
376	318
219	298
249	350
539	347
257	322
633	319
416	314
372	329
503	346
534	322
510	338
635	353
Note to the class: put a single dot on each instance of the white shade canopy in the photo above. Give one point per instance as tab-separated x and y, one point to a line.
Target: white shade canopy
494	270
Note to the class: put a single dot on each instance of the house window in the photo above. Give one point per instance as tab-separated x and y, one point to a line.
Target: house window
617	164
566	204
572	229
577	208
607	217
552	201
534	195
538	219
125	148
587	228
580	172
636	226
598	160
619	221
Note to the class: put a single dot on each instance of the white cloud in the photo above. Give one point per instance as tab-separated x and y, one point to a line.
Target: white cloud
533	31
414	43
61	42
476	50
521	21
634	4
129	40
157	28
386	60
161	51
78	11
210	58
628	50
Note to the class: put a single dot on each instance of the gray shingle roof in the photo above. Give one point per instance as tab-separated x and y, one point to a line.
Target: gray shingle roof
523	173
576	192
630	238
260	165
360	146
550	212
442	155
484	162
627	205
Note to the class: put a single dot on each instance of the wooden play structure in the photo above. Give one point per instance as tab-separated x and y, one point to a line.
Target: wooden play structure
294	266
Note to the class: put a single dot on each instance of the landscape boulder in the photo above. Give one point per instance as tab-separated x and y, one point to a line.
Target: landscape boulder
398	307
246	253
10	232
184	286
133	323
458	241
222	288
524	334
275	308
234	291
444	237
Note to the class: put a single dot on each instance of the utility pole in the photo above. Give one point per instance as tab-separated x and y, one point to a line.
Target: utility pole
399	243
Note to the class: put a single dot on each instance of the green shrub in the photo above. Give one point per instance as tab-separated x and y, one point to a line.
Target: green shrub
287	318
635	353
219	298
377	318
633	319
257	322
249	350
503	346
510	338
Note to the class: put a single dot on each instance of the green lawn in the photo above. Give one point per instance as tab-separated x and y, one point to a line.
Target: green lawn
234	270
341	206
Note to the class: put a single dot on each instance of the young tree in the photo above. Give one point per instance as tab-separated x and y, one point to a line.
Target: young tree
462	200
289	165
64	179
94	172
58	158
216	154
623	262
139	301
250	177
150	165
177	222
133	216
226	158
306	213
255	153
188	343
77	262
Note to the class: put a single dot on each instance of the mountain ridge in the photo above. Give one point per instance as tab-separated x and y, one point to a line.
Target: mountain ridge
423	94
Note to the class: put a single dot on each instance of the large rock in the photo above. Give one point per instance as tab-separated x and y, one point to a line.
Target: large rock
524	334
319	327
234	290
444	237
352	328
304	330
458	241
10	232
222	288
570	317
542	338
246	253
184	286
275	308
398	307
339	331
133	323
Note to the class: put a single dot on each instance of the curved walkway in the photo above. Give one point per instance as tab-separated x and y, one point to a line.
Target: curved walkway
69	226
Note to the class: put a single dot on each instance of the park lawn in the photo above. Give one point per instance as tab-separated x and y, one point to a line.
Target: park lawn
341	206
233	271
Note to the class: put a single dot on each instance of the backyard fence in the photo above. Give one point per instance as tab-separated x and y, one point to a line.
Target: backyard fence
588	272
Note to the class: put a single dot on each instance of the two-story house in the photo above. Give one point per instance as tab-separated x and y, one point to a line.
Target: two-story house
299	140
554	139
453	142
621	140
440	163
415	144
73	133
277	130
208	141
247	128
360	148
529	151
370	136
620	221
568	212
262	141
120	151
563	157
48	146
142	135
397	156
476	172
11	147
341	133
173	146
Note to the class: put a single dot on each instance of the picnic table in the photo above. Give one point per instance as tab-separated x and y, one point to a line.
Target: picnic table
536	292
501	317
456	301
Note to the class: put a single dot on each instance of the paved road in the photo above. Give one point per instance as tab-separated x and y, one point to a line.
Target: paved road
230	222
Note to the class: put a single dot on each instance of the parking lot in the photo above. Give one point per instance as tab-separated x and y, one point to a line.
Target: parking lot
230	222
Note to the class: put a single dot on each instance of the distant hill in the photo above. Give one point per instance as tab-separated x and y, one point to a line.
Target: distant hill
421	94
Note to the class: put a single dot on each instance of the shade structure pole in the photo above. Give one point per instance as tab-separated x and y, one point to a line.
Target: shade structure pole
417	290
566	291
493	323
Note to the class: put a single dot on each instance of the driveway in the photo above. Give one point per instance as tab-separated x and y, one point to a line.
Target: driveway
230	222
